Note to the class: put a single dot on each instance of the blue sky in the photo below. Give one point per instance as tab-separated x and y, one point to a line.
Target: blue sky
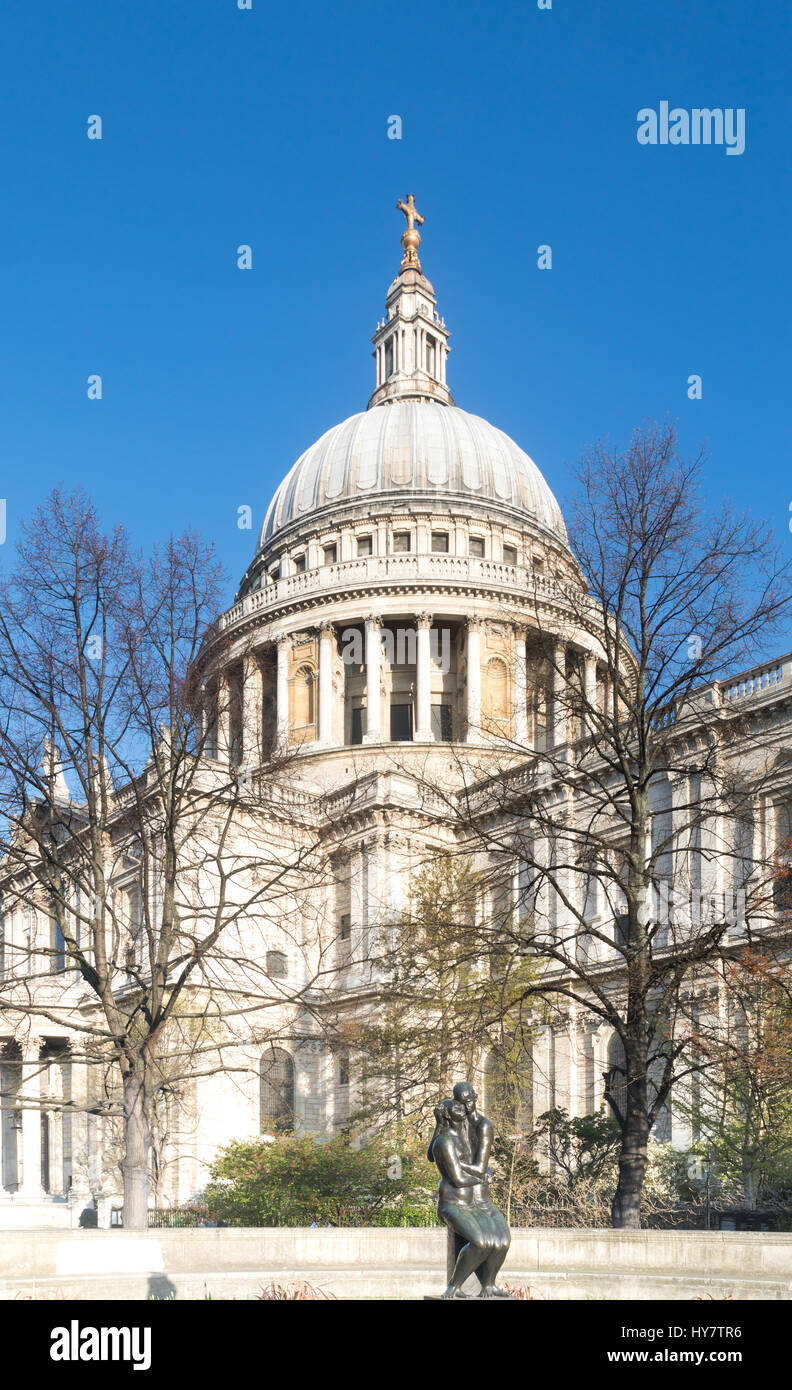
269	127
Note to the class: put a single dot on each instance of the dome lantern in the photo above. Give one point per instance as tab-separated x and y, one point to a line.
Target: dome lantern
411	342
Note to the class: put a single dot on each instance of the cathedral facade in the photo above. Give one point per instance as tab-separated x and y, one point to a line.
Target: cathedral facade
384	646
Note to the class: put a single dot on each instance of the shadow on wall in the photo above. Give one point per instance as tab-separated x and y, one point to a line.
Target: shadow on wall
160	1288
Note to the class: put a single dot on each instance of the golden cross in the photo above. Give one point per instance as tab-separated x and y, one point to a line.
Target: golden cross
409	211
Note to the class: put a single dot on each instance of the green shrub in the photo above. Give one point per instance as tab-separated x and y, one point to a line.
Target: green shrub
301	1180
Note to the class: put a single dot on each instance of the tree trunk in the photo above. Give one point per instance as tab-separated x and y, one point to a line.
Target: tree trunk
633	1158
137	1149
626	1206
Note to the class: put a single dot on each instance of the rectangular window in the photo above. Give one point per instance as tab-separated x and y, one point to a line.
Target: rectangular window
401	542
440	542
356	730
365	545
509	555
401	723
389	358
430	356
330	554
277	965
299	564
344	941
441	723
782	877
343	1069
476	547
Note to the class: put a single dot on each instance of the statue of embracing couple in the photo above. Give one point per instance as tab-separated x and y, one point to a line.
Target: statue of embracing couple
461	1146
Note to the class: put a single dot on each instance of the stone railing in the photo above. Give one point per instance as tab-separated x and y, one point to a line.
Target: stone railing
758	681
372	570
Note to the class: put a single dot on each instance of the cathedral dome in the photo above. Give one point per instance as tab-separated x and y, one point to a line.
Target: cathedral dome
410	450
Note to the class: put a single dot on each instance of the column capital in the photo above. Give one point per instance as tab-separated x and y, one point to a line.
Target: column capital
423	620
283	639
475	623
326	628
374	620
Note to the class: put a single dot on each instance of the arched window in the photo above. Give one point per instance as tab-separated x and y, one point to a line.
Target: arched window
276	1103
277	965
303	700
496	697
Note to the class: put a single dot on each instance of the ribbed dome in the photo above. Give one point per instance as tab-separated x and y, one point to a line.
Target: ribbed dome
412	449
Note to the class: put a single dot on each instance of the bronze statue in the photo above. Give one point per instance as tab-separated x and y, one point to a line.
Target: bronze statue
461	1146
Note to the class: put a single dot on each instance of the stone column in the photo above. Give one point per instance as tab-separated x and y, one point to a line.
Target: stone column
55	1117
473	692
590	687
373	732
282	689
31	1189
559	696
543	1070
423	689
576	1105
712	843
252	695
81	1178
201	722
326	638
520	688
223	718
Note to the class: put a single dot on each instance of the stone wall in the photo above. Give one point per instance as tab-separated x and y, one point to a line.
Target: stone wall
388	1263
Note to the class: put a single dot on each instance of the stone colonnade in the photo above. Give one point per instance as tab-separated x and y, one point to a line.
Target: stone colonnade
250	752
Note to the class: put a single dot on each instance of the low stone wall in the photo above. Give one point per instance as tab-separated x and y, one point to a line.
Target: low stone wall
373	1262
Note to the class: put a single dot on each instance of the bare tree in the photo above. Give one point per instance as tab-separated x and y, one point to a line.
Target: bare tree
629	814
158	868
